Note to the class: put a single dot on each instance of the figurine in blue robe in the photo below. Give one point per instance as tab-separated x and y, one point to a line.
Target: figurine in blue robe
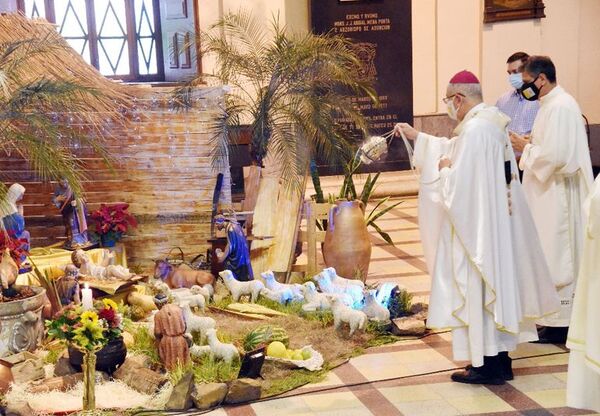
236	256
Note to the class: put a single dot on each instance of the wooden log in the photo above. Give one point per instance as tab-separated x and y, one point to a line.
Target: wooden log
138	377
63	383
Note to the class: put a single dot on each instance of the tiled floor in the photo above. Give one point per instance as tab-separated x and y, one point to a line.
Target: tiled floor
412	377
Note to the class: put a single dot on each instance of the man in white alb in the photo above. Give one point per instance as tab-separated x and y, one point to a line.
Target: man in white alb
489	277
583	382
557	178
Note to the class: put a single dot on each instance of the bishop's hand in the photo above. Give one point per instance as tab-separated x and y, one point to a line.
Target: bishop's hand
444	163
409	131
518	142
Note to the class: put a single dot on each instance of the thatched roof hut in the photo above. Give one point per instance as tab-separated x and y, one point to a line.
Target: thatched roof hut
162	158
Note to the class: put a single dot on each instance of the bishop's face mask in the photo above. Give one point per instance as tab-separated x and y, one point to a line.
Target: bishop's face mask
530	91
516	80
451	109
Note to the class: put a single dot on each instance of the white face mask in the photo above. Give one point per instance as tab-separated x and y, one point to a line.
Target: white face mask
452	110
516	80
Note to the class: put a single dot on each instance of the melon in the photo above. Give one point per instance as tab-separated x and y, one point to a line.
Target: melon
265	334
276	349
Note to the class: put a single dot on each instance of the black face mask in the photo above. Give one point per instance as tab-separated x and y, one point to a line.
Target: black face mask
530	91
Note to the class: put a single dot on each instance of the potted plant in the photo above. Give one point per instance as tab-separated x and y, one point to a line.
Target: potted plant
94	338
112	221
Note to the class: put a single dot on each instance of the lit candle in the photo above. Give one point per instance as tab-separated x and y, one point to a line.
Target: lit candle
87	301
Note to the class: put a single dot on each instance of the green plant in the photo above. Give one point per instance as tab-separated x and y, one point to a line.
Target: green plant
291	88
400	303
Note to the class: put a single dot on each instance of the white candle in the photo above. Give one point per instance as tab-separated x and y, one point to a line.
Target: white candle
87	301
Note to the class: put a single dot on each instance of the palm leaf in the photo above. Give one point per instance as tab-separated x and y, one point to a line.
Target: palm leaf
384	211
382	233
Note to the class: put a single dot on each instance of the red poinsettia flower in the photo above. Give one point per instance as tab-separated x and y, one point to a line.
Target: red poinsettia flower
114	218
16	246
108	314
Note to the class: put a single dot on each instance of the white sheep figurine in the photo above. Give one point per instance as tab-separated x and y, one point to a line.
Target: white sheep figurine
341	281
315	301
373	308
327	286
342	313
272	284
237	288
195	300
282	296
225	352
349	296
195	323
198	351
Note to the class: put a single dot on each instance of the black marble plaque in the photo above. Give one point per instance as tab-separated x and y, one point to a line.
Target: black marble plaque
382	32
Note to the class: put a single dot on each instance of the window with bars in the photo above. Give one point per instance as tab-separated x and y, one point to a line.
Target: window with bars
119	37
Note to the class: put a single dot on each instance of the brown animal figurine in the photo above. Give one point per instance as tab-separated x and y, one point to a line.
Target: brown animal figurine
8	270
169	330
178	277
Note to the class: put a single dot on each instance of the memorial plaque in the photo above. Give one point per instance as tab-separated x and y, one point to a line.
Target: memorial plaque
382	32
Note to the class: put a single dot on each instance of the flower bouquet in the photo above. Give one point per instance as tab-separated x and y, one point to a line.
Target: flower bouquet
87	331
112	221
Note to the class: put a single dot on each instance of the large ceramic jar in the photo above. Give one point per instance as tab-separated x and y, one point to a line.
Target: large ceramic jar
347	245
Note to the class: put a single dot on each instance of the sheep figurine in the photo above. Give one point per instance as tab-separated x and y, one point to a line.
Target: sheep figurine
341	281
327	286
195	323
342	313
282	296
315	301
237	288
226	352
194	300
198	351
272	284
373	309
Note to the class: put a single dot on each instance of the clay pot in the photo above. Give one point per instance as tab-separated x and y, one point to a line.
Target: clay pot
347	245
108	358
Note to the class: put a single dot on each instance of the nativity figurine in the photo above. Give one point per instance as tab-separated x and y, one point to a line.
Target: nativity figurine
68	286
236	256
88	268
13	220
73	212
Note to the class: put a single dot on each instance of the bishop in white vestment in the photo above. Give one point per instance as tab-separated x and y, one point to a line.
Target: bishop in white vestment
557	178
583	382
490	280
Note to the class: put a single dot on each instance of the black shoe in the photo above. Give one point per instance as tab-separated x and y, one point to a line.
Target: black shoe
506	366
552	335
489	373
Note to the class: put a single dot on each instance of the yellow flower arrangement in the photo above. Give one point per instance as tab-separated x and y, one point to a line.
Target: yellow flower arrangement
110	304
89	334
89	316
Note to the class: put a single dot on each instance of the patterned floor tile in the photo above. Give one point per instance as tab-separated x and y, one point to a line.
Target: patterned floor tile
480	404
342	403
537	382
403	394
549	398
428	408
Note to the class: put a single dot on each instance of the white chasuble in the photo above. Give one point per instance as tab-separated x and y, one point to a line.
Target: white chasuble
583	383
557	178
482	287
428	150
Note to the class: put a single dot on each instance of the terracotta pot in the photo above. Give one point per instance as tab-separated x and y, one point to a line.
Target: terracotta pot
107	359
347	245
